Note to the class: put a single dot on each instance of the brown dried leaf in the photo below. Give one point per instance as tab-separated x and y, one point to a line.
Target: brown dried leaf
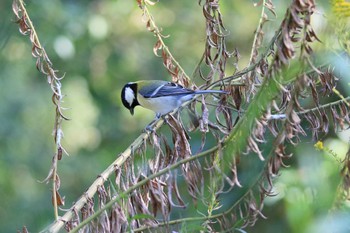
234	173
259	131
155	163
255	148
207	14
159	199
175	189
24	28
16	9
325	122
148	26
139	3
59	199
194	179
311	35
237	97
157	47
180	138
59	152
269	5
273	127
314	122
334	116
314	93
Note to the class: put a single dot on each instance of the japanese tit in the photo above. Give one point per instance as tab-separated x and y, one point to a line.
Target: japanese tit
159	96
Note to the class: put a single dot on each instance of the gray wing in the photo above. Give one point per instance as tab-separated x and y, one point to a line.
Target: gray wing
169	89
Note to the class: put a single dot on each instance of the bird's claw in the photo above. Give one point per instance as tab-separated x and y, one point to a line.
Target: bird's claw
149	129
165	119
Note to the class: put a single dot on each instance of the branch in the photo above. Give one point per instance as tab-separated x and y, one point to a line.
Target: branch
325	105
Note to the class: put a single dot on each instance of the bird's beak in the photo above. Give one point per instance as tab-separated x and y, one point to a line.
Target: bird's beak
132	111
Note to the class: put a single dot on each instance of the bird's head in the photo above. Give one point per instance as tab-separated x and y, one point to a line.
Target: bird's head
129	96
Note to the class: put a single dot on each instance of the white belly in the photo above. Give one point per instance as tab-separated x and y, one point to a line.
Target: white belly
163	105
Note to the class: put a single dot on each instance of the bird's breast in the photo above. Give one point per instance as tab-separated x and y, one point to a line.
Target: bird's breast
164	104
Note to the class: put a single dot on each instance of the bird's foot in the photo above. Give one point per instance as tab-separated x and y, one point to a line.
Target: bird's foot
149	129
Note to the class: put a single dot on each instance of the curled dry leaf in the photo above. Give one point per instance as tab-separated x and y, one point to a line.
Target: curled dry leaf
118	219
173	188
180	138
158	197
59	199
157	47
193	175
269	5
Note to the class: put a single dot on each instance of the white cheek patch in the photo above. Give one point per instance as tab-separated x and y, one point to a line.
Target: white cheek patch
129	95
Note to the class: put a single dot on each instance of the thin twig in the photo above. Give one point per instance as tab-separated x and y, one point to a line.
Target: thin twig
257	33
341	96
324	106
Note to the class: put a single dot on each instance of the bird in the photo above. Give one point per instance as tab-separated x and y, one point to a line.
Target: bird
160	96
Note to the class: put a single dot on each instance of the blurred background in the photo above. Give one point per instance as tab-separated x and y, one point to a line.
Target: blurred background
101	45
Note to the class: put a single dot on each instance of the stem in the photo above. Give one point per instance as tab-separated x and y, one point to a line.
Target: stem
54	190
257	32
325	105
23	9
341	96
53	79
